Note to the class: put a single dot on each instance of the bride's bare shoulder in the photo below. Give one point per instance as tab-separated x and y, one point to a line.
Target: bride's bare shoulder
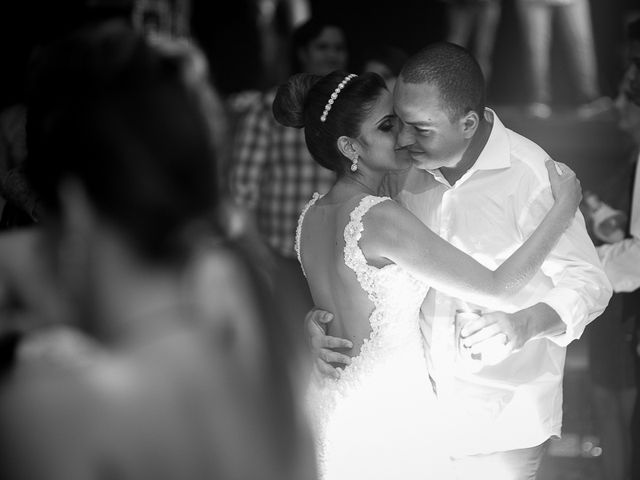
390	224
385	213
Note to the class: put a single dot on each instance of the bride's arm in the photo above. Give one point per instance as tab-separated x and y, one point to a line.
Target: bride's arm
422	252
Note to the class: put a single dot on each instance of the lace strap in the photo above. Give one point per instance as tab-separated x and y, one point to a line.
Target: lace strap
316	196
353	256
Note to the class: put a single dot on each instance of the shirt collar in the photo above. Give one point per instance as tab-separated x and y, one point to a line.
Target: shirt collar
496	153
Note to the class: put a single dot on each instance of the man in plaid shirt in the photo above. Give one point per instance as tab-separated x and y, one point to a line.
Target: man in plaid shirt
274	175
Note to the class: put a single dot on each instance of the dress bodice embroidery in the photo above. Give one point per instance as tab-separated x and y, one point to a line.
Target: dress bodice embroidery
353	256
390	288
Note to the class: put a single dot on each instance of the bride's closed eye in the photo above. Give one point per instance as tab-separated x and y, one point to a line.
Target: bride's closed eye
387	125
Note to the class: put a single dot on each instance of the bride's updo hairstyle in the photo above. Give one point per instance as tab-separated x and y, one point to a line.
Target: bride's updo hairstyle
301	103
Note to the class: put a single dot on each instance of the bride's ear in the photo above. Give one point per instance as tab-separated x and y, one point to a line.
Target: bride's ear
347	147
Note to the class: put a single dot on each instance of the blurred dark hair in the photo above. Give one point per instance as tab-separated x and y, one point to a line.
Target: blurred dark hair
306	33
301	101
633	30
456	74
128	118
392	57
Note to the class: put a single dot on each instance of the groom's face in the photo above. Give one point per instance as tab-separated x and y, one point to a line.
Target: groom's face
426	132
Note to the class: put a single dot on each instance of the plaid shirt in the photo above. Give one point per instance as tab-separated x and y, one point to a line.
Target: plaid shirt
274	174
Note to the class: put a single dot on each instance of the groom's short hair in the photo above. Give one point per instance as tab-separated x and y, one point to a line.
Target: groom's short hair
454	71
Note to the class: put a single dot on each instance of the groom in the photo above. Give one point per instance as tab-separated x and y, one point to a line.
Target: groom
484	189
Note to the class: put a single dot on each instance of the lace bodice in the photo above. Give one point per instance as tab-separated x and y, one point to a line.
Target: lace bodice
384	391
396	296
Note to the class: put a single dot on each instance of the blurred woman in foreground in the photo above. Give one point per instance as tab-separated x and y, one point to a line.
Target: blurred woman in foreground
173	371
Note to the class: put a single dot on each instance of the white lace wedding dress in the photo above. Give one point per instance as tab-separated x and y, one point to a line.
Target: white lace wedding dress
380	420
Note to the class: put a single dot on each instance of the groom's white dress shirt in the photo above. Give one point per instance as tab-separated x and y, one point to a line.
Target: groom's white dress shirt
621	260
489	213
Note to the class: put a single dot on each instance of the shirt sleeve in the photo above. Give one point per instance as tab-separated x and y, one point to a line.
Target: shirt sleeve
581	289
249	157
621	261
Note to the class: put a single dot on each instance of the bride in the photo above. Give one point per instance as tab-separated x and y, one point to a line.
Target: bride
371	262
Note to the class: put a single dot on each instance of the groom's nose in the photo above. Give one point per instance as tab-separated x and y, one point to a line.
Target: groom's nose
405	137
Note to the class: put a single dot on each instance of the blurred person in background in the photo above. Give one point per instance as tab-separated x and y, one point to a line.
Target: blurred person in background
20	204
273	174
168	369
615	345
573	17
22	207
474	24
386	61
621	258
277	19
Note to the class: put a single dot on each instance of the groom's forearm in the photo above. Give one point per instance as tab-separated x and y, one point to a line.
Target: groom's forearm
541	321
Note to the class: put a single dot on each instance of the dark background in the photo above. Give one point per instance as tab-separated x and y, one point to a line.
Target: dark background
224	29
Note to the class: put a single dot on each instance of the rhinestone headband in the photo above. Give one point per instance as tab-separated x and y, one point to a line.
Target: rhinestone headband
334	95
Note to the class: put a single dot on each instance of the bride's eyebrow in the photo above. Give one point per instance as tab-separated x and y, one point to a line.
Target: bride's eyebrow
388	116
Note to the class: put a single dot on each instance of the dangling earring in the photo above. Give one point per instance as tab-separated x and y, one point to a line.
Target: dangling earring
354	163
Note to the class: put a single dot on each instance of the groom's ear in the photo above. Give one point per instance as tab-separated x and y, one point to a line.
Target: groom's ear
470	122
347	147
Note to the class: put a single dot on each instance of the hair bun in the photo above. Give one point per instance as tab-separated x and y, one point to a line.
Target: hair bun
288	106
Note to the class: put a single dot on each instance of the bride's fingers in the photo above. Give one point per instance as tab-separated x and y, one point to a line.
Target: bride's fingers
555	169
552	168
563	169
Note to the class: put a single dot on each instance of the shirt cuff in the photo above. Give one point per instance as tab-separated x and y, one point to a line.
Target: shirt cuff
573	312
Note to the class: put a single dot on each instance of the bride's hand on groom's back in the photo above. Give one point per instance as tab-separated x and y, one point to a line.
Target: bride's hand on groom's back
323	345
565	186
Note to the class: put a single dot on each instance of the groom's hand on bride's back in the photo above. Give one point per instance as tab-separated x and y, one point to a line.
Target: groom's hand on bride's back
325	358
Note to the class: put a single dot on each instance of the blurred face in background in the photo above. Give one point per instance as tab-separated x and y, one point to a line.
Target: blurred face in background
383	70
325	53
634	52
628	103
629	116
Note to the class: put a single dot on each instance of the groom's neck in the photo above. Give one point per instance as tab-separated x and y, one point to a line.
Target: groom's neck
471	154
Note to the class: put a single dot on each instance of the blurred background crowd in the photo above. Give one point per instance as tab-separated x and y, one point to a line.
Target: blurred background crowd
203	246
